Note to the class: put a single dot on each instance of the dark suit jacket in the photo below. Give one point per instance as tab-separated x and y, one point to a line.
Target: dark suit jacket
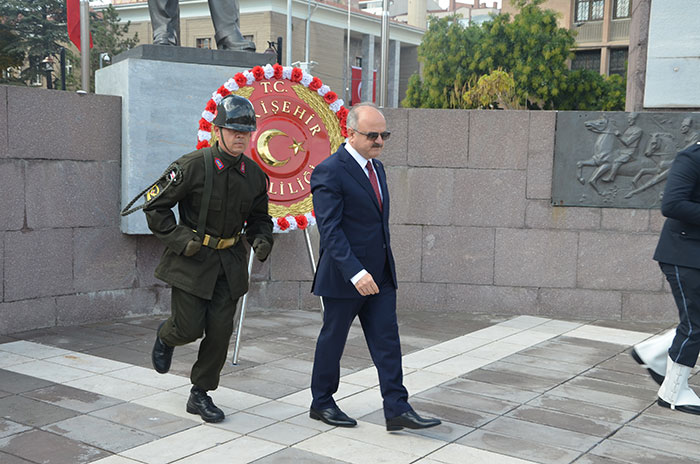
679	242
354	232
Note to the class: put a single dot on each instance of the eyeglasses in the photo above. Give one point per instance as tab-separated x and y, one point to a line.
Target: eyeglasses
373	135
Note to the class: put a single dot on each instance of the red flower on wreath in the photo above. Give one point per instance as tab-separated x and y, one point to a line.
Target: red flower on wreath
211	106
240	79
258	73
297	75
342	113
283	223
315	84
330	97
302	222
278	70
202	144
223	91
204	125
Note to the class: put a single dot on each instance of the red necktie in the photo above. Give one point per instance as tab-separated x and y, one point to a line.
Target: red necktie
375	184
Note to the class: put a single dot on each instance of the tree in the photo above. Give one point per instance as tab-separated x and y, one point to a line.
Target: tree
530	48
108	36
39	29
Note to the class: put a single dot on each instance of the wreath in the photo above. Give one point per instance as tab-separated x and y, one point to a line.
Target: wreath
238	83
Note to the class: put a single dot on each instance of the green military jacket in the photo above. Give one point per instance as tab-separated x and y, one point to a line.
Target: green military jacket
239	196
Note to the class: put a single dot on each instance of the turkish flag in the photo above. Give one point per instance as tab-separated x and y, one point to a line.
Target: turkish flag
73	16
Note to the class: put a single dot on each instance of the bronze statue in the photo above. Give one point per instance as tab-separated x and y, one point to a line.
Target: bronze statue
165	19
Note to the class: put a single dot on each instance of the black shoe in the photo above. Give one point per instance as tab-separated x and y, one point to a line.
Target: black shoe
659	379
410	420
332	416
200	403
689	408
166	39
229	43
162	354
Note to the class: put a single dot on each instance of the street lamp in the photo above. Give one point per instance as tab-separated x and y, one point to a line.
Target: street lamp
47	67
104	56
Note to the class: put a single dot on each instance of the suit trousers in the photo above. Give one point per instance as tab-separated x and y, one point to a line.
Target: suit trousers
377	315
191	317
685	285
165	18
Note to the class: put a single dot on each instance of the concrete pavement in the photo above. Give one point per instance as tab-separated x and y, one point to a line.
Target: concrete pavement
512	389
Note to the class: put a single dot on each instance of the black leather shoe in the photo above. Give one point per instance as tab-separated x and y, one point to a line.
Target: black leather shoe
410	420
689	408
200	403
162	354
230	43
332	416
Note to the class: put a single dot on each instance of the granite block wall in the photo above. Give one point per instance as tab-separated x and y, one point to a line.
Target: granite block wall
472	224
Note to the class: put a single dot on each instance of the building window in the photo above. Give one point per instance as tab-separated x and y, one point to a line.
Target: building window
358	61
622	9
618	61
586	59
203	42
589	10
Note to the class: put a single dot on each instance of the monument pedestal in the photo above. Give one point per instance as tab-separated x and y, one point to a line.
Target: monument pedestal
164	91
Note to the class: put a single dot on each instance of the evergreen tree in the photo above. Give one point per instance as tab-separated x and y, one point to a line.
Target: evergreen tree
530	48
39	29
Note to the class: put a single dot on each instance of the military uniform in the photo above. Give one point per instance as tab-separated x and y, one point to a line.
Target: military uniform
207	285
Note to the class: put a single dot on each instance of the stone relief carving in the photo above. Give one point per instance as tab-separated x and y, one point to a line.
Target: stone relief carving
620	159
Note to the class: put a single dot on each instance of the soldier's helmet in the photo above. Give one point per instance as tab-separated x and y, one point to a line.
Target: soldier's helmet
235	112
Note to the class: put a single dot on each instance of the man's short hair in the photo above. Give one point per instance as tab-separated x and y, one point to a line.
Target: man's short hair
352	114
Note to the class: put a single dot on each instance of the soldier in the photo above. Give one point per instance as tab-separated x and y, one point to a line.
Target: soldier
218	190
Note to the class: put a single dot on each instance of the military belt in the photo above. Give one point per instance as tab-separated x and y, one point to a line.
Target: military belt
218	243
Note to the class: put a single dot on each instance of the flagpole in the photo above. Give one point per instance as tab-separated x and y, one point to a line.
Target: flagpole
85	44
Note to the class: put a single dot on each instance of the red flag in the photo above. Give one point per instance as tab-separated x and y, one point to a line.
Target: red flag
73	15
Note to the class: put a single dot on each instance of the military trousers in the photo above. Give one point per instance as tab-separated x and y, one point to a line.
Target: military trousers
193	317
685	286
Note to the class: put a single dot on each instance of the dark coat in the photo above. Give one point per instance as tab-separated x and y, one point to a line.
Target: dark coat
679	242
354	231
239	195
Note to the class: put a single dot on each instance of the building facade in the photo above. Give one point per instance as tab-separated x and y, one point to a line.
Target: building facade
262	21
602	30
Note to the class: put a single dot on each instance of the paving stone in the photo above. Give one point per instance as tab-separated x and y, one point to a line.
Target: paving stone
562	354
612	387
503	392
31	412
592	459
14	382
10	459
122	354
72	398
526	382
536	362
145	419
634	454
668	426
531	371
560	420
641	379
691	420
544	434
49	448
8	427
583	409
467	400
284	433
517	447
601	398
268	389
288	455
100	433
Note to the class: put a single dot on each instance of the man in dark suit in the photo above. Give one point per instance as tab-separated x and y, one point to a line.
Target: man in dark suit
356	275
678	254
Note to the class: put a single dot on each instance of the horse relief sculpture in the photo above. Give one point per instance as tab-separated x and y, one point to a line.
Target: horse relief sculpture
621	160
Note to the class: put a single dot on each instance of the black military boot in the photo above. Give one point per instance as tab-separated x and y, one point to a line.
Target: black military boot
162	354
201	403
